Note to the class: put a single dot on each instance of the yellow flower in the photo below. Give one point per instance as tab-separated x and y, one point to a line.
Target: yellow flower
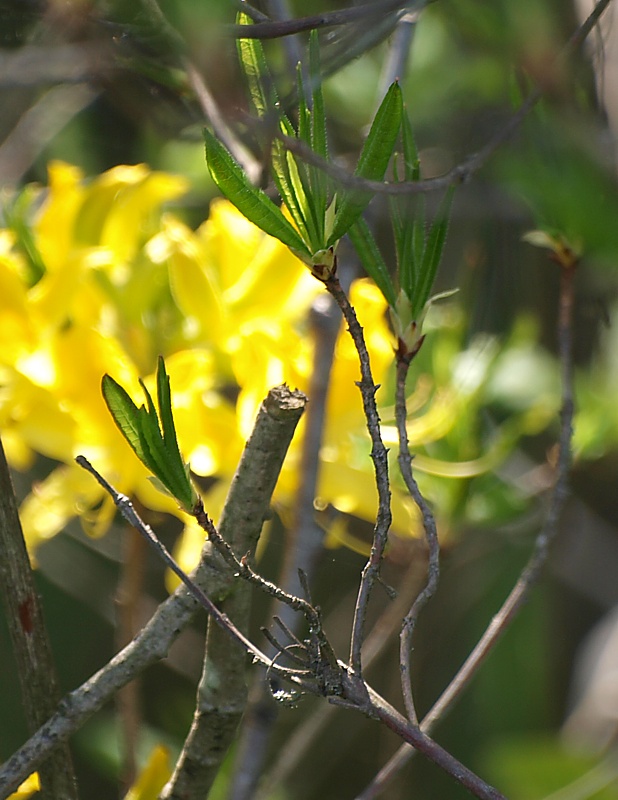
153	776
27	788
226	305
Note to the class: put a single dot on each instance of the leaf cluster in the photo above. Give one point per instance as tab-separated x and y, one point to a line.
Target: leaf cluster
318	217
152	435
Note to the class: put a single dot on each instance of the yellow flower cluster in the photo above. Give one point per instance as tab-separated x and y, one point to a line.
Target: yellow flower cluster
104	283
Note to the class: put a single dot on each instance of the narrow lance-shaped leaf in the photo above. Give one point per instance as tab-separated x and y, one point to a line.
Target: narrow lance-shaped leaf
433	252
371	258
318	142
153	441
250	201
126	416
169	434
256	70
288	184
141	427
374	158
410	153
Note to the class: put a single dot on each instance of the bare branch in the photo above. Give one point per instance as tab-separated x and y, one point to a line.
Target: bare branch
38	65
294	749
458	174
126	508
38	126
532	571
304	544
221	703
379	455
413	735
154	640
365	12
431	536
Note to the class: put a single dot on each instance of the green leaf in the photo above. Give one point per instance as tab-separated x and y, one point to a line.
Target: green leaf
253	61
374	158
164	399
412	169
371	258
265	101
126	416
250	201
433	252
180	469
159	452
319	141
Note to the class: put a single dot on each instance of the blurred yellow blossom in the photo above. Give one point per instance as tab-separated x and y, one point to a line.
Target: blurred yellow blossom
226	305
29	787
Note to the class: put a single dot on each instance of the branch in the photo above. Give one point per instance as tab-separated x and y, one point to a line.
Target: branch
294	749
202	93
38	65
431	536
154	640
31	646
39	125
531	573
379	455
365	12
221	702
413	735
458	174
304	545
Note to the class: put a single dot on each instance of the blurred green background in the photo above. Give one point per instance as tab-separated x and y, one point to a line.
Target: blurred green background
121	96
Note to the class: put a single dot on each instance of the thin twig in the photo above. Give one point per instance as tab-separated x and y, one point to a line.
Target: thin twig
128	512
379	455
202	93
461	172
295	748
304	545
39	125
221	703
275	30
31	646
531	573
253	488
431	536
395	66
413	735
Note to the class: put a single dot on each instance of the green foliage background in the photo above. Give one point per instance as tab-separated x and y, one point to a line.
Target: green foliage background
469	60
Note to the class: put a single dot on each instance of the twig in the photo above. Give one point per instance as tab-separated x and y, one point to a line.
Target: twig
210	109
413	735
128	512
398	52
379	456
42	65
202	93
31	647
154	640
127	600
279	11
458	174
295	748
38	126
304	543
221	702
431	536
274	30
255	14
532	571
